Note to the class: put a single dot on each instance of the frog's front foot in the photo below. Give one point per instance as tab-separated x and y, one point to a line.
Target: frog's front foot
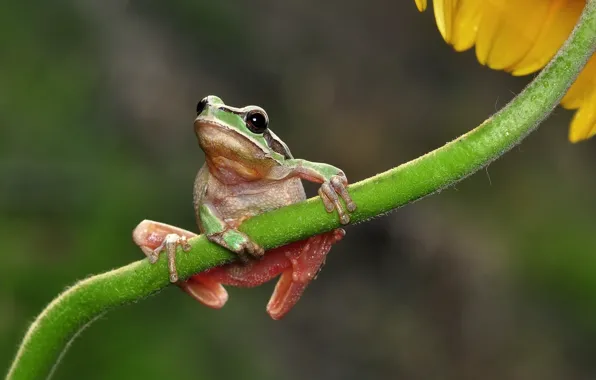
331	190
239	243
154	238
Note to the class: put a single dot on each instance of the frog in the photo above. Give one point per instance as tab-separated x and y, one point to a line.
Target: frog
248	170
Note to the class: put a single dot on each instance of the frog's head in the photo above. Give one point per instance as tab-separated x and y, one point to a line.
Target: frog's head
238	134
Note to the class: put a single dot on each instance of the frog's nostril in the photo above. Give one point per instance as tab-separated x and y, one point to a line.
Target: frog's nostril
201	105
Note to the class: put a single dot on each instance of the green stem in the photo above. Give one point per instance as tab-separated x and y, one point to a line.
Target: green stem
66	316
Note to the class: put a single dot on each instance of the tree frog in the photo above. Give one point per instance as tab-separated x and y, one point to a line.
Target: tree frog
248	170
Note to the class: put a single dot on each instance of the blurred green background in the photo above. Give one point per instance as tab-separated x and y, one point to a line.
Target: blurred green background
492	279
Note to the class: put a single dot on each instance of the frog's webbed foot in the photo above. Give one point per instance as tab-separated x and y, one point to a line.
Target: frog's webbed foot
331	190
307	260
154	238
239	243
207	289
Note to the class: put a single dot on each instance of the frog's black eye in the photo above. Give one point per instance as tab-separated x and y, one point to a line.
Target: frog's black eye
257	121
201	105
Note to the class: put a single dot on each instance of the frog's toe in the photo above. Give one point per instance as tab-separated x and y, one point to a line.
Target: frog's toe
170	243
154	238
250	250
254	249
238	243
328	203
337	235
330	197
152	256
340	185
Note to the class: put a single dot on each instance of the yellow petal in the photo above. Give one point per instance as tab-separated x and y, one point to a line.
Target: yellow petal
583	86
558	23
582	95
583	125
521	36
457	21
465	24
421	4
508	30
444	10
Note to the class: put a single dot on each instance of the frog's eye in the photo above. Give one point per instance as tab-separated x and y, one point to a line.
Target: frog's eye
257	121
201	105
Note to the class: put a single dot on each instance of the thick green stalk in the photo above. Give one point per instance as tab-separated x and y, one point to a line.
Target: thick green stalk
66	316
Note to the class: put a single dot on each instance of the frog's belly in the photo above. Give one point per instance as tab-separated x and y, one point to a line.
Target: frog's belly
238	204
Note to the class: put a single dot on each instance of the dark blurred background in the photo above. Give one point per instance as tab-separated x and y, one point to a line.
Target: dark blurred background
494	278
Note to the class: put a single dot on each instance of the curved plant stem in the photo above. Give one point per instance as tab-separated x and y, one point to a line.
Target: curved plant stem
66	316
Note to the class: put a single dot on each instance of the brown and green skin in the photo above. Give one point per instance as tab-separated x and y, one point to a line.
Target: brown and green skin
248	171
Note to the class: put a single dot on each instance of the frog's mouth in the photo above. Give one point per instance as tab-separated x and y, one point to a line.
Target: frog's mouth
231	156
202	122
209	127
218	139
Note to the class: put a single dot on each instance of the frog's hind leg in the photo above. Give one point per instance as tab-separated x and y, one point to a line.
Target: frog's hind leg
298	263
306	263
206	287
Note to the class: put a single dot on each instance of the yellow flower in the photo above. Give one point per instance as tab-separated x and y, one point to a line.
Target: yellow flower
520	37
